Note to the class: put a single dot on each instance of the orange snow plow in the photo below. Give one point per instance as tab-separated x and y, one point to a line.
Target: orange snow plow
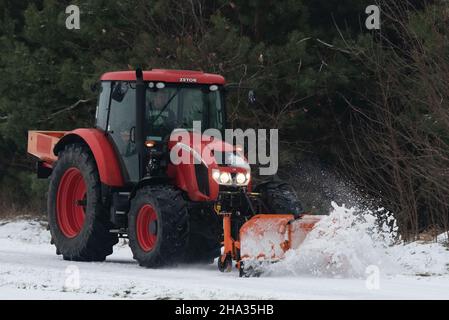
264	238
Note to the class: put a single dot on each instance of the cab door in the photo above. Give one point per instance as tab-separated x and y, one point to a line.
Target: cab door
121	126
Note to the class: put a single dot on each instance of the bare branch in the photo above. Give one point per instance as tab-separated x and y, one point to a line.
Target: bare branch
66	109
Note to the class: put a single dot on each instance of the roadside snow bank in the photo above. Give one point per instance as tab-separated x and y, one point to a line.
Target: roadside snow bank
423	259
29	231
348	241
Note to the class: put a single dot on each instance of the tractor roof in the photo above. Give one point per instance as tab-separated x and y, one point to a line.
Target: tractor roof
177	76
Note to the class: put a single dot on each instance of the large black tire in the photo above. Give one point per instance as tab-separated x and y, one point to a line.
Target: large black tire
202	250
87	239
206	231
168	225
279	197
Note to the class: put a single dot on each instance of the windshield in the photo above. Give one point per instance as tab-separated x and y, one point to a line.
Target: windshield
178	106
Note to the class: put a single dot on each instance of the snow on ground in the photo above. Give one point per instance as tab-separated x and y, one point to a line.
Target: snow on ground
332	264
347	241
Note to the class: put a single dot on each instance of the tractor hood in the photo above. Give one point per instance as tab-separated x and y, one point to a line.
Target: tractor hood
201	164
206	149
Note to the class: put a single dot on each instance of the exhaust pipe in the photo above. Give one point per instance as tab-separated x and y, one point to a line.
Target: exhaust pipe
140	121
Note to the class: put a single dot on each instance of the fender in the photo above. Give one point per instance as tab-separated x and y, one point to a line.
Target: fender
107	162
185	178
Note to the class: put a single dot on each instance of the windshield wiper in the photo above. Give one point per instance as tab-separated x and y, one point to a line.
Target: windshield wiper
166	105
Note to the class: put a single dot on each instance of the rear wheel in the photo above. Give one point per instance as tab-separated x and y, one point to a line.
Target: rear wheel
78	222
158	226
279	197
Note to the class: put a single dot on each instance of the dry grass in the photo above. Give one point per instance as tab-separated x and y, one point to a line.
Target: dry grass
430	234
14	211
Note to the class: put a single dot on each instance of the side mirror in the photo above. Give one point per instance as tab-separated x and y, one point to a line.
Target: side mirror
119	91
251	97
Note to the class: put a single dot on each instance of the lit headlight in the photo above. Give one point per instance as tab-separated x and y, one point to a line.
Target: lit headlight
240	178
221	177
215	174
225	178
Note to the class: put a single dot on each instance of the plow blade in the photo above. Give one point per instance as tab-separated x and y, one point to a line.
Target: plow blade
266	237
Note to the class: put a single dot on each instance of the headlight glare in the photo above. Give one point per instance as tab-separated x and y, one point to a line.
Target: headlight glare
215	174
225	178
240	178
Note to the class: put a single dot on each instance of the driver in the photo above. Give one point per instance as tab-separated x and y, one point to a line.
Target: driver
162	118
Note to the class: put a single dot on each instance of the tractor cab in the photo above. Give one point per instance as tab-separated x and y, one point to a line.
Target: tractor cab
171	99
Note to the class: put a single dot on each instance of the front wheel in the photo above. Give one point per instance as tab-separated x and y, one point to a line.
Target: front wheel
158	226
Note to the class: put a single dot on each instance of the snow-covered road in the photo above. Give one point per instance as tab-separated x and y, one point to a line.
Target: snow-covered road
30	269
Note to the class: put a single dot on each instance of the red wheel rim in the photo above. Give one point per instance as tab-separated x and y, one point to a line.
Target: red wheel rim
70	203
146	226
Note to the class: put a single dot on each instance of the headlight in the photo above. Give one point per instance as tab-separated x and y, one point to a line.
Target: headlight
221	177
215	174
240	178
225	178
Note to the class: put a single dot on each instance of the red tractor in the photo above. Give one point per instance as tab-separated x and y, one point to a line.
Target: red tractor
117	180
